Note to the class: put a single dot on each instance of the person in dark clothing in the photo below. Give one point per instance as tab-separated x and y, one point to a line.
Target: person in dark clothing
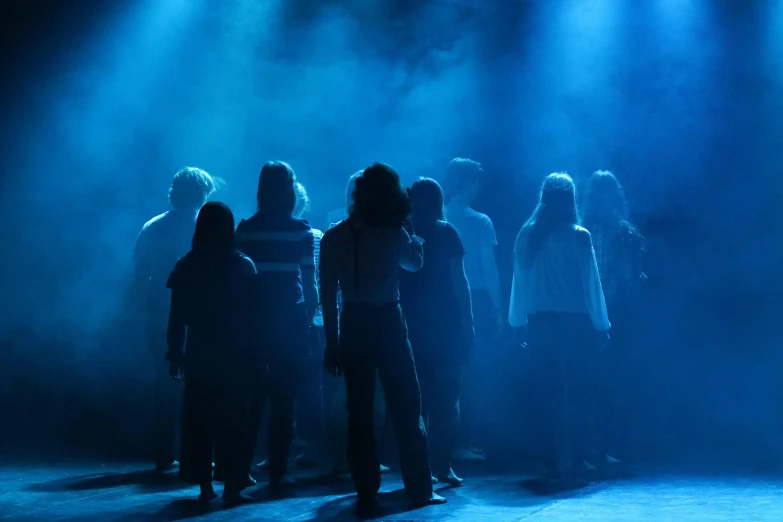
210	342
361	257
556	293
436	302
282	248
619	251
162	241
309	396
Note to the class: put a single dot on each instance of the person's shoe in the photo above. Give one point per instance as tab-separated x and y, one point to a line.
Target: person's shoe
207	493
432	500
248	482
612	460
306	460
264	464
235	496
165	468
366	506
282	481
434	480
465	454
477	451
587	467
451	479
385	469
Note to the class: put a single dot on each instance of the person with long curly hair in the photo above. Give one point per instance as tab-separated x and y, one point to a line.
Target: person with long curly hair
361	257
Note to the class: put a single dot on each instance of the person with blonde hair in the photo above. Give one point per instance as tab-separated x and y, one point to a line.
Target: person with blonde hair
162	241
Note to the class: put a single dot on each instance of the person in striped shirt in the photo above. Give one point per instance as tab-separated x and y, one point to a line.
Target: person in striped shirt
283	249
309	396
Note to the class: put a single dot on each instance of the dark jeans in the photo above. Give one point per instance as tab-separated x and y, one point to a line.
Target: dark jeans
167	398
440	387
284	331
310	400
474	393
614	384
374	339
563	350
214	415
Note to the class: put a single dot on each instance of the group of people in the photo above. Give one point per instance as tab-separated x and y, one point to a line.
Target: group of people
391	300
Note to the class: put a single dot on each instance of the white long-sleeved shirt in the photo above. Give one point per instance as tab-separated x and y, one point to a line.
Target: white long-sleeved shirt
561	277
381	253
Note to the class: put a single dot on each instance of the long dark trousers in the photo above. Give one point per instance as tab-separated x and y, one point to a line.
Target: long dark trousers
167	399
440	387
375	339
214	418
564	353
278	386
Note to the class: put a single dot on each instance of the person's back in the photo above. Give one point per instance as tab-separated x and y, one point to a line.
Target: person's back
369	261
427	296
162	241
219	295
477	232
278	244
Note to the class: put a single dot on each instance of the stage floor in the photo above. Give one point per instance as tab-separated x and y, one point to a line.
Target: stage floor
125	492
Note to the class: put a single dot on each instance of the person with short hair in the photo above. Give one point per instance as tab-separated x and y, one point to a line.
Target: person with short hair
556	293
211	343
461	184
282	247
361	257
439	315
162	241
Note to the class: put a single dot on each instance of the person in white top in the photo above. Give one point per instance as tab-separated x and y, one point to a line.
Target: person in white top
460	185
556	293
361	257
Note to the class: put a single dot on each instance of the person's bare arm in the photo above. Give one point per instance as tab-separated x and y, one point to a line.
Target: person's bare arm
489	273
459	283
141	264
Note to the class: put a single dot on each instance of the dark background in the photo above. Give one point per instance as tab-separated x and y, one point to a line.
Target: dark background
104	101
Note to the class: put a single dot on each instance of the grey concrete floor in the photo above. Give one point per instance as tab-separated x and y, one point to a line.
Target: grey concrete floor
127	492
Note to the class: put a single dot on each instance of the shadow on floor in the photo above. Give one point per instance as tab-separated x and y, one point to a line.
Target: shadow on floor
341	509
151	480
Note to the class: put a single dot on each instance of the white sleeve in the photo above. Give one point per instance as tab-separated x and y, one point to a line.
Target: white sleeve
591	283
517	310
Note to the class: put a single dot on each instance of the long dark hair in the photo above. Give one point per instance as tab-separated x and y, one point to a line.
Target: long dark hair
379	199
556	206
604	202
277	189
427	200
214	234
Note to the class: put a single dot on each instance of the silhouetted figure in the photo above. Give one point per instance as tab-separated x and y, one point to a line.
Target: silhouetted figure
282	248
556	292
210	340
461	184
309	396
436	302
162	241
619	250
361	257
338	414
